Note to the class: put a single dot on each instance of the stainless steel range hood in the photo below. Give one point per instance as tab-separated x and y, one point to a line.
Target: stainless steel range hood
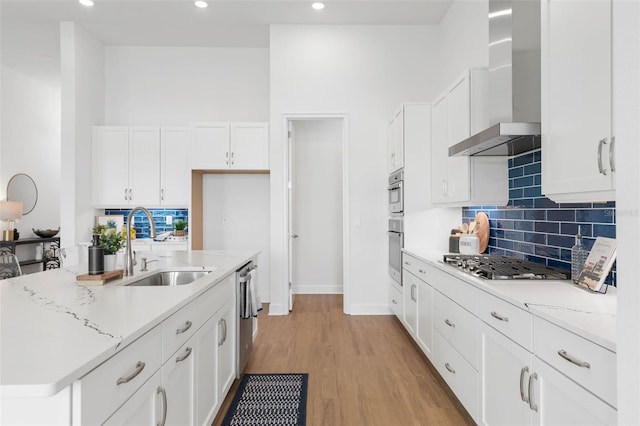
514	82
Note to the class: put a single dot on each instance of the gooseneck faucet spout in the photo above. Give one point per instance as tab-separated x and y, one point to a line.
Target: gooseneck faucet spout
129	261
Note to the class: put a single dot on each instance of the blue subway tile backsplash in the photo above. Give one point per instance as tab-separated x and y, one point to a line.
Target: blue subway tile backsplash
141	224
535	228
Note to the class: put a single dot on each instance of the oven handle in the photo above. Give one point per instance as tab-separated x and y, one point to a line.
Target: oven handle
395	186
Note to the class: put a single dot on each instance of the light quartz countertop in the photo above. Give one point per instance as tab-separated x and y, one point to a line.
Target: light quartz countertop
580	311
54	331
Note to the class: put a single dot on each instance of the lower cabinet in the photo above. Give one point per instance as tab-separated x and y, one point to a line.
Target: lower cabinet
410	319
179	382
418	307
396	303
148	406
208	400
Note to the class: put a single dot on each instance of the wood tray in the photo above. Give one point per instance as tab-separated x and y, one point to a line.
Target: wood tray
102	279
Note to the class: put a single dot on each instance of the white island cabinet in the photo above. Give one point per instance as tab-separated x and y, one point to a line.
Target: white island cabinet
118	354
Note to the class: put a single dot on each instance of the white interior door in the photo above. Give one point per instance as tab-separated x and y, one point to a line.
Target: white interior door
316	207
291	225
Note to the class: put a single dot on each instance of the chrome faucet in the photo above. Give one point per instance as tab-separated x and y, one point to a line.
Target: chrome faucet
129	260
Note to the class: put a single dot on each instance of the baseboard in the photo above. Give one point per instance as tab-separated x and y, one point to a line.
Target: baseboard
318	289
371	309
278	309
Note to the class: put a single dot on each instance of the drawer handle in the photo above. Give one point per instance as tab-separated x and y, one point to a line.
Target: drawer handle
186	354
522	395
187	325
451	370
498	316
138	370
532	404
573	360
394	301
449	323
407	263
164	406
422	271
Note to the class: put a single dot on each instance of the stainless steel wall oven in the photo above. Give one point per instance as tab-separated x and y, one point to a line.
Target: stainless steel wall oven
396	192
396	243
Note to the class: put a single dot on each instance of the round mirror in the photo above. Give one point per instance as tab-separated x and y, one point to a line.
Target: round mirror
22	188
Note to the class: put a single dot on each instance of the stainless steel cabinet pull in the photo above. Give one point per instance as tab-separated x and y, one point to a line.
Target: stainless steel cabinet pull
573	360
187	325
451	370
449	323
125	194
138	370
532	404
413	294
224	326
186	354
407	263
522	395
600	143
232	159
422	271
498	316
130	194
394	301
226	156
164	406
162	194
612	159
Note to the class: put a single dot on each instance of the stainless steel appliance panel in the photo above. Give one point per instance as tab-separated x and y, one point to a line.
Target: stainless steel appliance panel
396	243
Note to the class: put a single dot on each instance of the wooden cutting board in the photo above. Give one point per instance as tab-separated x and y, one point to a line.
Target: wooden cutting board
482	229
102	279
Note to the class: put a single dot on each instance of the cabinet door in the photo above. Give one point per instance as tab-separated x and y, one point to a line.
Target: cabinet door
175	173
505	371
391	148
110	160
210	146
560	401
178	379
226	349
424	332
249	146
144	166
457	186
576	99
439	150
395	142
145	407
207	371
410	285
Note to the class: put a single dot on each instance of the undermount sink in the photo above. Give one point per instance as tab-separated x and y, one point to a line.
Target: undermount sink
169	278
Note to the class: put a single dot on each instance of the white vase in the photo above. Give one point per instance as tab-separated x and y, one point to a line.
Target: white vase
110	262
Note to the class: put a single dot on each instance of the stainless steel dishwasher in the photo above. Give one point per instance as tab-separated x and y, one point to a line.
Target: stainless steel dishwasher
245	315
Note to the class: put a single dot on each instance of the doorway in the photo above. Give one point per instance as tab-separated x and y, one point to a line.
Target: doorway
316	198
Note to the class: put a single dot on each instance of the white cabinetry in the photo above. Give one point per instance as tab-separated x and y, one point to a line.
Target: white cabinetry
236	146
140	166
418	303
179	381
148	406
416	136
578	148
395	142
396	302
456	114
410	286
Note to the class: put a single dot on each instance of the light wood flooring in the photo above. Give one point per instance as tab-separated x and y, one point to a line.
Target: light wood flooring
363	370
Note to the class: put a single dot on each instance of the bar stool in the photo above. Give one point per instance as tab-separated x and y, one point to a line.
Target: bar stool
9	266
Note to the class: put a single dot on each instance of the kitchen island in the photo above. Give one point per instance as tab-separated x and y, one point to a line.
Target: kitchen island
54	332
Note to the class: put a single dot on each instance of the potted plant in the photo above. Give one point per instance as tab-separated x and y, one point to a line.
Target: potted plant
179	226
112	241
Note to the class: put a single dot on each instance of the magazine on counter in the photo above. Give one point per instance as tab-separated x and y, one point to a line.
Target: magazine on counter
598	263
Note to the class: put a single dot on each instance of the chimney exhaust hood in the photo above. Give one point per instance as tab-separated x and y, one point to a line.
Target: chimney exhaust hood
514	82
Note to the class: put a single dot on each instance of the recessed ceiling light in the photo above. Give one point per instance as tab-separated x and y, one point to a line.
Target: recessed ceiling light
318	6
201	4
86	2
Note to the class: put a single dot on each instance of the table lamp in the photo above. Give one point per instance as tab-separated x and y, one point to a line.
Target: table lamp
9	211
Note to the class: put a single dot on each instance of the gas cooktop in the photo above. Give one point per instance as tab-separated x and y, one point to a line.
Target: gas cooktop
497	267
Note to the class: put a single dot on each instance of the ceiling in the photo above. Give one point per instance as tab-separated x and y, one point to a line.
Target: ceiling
30	28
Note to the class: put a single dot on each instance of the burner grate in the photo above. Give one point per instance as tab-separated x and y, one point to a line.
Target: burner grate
498	267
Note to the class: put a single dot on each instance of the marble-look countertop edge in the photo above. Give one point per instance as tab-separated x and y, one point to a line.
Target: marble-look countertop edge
549	312
43	390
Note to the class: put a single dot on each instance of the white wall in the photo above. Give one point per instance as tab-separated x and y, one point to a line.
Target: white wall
365	72
30	143
317	207
236	216
177	85
82	89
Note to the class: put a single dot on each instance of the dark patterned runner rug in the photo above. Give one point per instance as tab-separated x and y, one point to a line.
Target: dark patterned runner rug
269	399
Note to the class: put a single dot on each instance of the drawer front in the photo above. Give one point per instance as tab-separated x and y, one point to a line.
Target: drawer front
458	373
458	326
215	298
415	266
590	365
395	301
513	322
463	293
104	389
178	328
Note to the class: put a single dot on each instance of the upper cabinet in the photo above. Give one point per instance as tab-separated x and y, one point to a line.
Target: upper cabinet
395	142
578	147
135	166
457	113
237	146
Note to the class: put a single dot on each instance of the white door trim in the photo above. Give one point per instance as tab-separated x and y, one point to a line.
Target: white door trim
346	237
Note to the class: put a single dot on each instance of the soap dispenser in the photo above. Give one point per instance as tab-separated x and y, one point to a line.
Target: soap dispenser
578	257
96	257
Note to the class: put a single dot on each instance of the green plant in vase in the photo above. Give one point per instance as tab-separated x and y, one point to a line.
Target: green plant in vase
179	226
111	240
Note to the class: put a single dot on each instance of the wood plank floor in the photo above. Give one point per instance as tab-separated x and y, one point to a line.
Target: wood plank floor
363	370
